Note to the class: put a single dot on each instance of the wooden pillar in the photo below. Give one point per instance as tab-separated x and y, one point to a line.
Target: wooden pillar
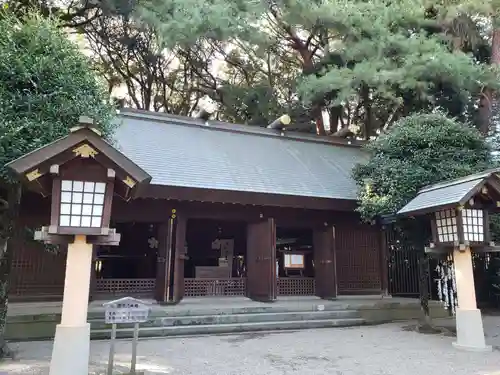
180	256
384	259
325	264
170	261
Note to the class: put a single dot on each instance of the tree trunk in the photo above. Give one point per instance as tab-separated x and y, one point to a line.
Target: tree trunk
365	95
8	232
484	111
423	275
317	115
487	102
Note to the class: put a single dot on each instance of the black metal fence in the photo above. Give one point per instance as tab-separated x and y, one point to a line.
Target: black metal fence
402	265
403	270
486	267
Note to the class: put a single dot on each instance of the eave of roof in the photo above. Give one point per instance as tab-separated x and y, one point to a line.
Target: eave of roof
44	154
447	194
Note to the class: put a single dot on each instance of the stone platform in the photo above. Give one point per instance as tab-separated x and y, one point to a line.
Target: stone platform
209	315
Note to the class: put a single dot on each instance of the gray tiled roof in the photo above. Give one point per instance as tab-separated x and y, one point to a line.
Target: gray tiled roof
178	151
445	193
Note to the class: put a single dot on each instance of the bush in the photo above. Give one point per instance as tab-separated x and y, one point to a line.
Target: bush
419	150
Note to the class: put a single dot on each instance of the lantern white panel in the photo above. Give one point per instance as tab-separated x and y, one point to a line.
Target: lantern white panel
99	199
473	225
446	226
100	187
78	186
66	185
65	209
76	209
75	221
77	198
86	221
89	187
65	197
82	203
87	209
88	198
96	222
97	210
64	220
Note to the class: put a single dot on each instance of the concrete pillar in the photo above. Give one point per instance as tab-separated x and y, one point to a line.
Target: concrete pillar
470	333
70	353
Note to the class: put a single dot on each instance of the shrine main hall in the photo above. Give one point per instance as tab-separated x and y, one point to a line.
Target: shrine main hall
231	210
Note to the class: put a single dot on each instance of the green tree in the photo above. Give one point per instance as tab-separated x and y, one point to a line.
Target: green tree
420	149
400	61
364	74
46	83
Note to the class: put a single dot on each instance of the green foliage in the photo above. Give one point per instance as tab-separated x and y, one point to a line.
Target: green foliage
190	20
419	150
495	227
46	84
366	74
392	54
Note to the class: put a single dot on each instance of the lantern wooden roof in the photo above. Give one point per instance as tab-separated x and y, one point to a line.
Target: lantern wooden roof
34	168
450	194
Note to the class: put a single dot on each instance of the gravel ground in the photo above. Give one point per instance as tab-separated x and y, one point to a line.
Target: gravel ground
385	349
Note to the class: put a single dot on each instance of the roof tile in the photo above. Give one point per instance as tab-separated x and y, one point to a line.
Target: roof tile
178	153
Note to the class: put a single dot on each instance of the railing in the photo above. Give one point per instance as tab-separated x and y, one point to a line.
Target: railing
296	286
402	264
215	287
125	286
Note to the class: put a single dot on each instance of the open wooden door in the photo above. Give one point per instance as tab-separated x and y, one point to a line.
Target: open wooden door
261	260
324	262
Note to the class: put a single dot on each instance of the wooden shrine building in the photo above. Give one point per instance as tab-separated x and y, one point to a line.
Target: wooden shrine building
231	210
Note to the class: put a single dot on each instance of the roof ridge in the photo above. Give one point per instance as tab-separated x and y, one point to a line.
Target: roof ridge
237	128
460	180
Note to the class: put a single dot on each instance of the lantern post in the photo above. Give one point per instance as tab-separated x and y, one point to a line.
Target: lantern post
458	212
80	173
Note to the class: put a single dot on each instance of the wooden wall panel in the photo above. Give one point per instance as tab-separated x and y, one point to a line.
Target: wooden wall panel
358	259
36	273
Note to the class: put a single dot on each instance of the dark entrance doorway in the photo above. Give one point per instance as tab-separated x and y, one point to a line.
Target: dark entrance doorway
130	268
215	262
295	261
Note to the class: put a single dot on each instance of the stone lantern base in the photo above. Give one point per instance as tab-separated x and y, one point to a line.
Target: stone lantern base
470	333
71	350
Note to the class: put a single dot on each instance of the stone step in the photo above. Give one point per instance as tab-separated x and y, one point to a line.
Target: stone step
206	329
186	310
235	318
36	322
